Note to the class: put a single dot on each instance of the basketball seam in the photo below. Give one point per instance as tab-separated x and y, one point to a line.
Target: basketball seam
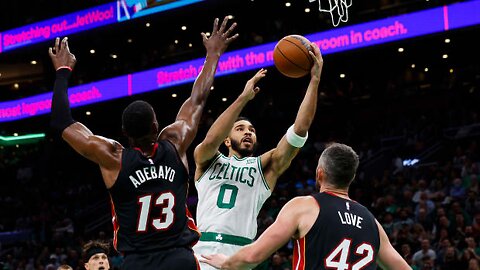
308	56
295	64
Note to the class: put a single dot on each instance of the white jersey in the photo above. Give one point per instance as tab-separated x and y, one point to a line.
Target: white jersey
231	193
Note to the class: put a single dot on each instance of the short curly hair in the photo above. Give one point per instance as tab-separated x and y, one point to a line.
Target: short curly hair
137	119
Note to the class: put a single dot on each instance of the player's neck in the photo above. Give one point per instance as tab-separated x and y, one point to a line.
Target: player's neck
147	147
232	153
339	192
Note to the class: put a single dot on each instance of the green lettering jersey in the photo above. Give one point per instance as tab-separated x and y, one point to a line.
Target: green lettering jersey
231	193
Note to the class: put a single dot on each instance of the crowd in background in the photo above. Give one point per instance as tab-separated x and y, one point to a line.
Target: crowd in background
53	201
431	210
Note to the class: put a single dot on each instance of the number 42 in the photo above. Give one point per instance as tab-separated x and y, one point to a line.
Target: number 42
342	251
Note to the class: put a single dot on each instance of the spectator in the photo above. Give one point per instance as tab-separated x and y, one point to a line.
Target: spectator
406	253
472	247
457	191
425	251
449	260
422	188
473	264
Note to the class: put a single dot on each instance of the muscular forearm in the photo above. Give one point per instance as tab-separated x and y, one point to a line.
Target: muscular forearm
221	127
201	87
244	259
307	110
61	114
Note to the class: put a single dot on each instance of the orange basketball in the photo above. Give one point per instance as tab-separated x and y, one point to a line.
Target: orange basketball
291	56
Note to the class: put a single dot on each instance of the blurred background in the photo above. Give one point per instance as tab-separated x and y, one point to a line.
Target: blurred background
410	109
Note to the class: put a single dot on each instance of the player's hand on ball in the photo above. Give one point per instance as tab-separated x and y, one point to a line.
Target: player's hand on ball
317	61
250	88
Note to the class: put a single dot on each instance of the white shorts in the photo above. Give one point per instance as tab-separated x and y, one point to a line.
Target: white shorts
207	248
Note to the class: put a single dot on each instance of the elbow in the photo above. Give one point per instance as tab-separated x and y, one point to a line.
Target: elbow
301	129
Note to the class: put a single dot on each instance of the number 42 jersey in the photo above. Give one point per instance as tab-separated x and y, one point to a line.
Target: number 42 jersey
344	236
231	193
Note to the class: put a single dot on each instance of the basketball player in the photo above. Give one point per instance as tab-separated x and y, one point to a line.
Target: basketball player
96	255
330	230
232	189
148	181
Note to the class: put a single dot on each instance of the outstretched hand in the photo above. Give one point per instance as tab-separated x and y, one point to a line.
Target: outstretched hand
251	89
61	55
219	40
215	260
316	55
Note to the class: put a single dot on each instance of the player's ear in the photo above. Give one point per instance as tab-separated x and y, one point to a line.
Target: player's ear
319	175
155	127
227	142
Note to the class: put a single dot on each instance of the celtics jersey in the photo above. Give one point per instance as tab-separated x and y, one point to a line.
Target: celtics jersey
231	193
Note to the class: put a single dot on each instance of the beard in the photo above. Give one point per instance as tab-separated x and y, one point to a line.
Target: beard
244	152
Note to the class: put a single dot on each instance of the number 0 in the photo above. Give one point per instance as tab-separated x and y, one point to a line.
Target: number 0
231	191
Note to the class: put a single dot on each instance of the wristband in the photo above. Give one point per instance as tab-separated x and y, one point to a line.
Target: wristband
67	67
295	140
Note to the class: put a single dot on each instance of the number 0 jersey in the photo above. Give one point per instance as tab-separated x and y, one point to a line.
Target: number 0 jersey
231	193
149	201
344	236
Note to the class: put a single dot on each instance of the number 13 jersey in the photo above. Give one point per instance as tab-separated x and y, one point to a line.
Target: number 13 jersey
149	201
231	193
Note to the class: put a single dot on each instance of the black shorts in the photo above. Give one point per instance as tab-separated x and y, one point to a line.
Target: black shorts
180	258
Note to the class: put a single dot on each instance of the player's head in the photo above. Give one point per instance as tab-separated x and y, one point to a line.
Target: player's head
242	139
139	120
337	166
64	267
96	255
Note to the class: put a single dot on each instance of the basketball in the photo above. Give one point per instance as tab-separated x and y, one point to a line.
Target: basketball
291	56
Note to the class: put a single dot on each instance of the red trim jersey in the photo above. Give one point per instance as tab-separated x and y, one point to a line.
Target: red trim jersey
344	237
149	201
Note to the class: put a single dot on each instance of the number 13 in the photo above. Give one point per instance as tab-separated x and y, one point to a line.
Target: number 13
166	201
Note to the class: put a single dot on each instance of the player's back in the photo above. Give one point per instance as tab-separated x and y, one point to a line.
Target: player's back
344	236
149	201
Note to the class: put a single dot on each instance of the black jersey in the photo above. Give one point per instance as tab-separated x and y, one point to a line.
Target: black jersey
149	201
344	236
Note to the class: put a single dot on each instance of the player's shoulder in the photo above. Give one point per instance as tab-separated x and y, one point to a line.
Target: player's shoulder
115	145
303	203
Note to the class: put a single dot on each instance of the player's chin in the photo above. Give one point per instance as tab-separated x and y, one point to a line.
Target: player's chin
247	147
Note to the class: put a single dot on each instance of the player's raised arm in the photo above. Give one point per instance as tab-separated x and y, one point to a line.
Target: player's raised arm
217	133
182	132
98	149
277	160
